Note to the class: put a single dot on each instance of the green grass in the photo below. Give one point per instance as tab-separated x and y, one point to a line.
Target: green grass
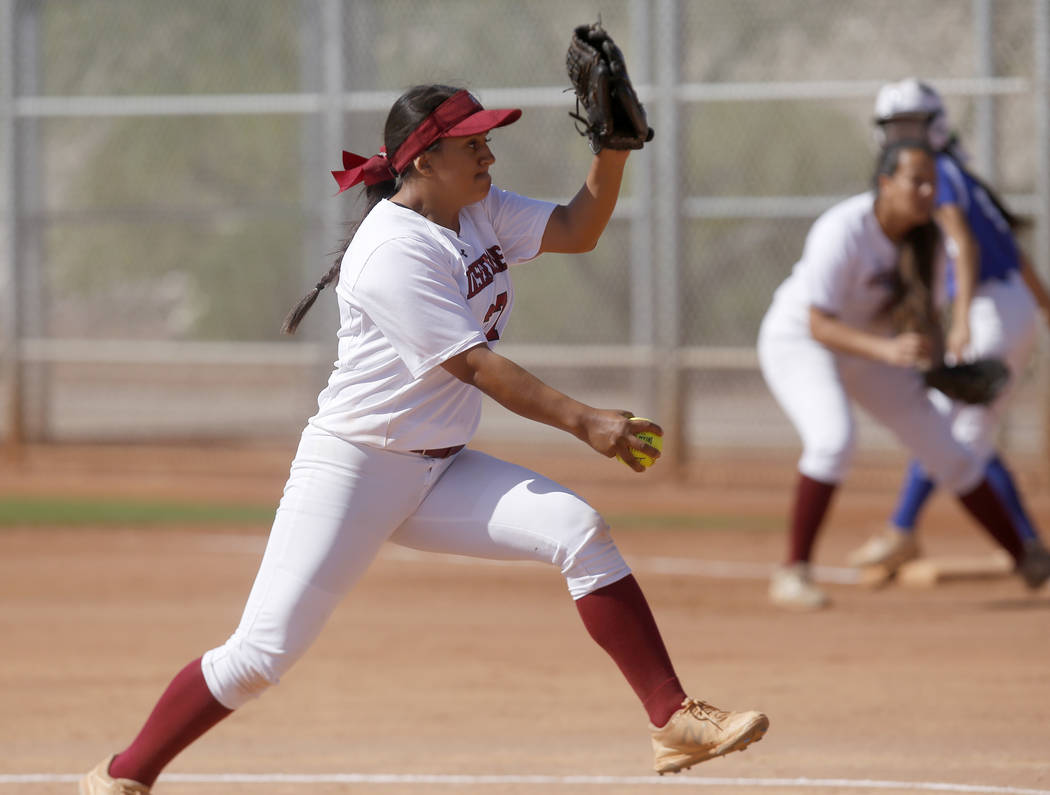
44	511
87	512
696	521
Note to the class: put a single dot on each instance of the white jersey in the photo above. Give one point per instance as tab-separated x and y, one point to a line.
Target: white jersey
411	295
847	270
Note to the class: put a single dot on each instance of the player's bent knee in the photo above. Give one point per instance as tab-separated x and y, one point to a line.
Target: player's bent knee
827	464
960	476
592	559
238	673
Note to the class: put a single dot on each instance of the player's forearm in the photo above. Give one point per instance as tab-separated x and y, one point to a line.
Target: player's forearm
967	254
576	227
518	390
843	338
965	281
1035	286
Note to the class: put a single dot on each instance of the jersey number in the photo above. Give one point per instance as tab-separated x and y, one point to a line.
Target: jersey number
495	311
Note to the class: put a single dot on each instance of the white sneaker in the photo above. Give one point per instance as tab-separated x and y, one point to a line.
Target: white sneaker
889	548
792	587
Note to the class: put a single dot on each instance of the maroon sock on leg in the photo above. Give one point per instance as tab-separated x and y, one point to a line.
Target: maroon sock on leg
620	621
812	498
184	712
986	507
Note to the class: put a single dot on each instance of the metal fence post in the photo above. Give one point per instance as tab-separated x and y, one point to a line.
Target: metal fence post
667	211
332	133
9	288
1041	255
642	276
985	143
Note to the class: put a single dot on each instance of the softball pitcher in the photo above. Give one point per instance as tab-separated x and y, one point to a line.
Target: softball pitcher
996	297
424	293
853	323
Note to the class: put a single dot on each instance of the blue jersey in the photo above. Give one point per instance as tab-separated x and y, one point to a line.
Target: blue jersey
998	249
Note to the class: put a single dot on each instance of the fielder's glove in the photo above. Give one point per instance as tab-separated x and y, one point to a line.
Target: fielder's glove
979	381
614	119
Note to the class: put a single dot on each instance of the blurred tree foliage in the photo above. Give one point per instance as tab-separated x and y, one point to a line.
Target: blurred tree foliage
210	223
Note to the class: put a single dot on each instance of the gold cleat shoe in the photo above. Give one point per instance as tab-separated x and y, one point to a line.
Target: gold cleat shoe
698	732
889	548
100	782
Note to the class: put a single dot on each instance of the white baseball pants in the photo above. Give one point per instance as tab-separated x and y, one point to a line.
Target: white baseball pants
816	387
342	501
1004	323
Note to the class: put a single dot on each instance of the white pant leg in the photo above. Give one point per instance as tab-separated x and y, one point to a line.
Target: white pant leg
1004	324
897	398
487	508
803	376
341	502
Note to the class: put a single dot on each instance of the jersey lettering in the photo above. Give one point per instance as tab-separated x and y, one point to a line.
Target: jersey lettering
482	270
496	309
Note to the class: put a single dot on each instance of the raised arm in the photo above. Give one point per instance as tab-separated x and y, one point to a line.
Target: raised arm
575	227
606	431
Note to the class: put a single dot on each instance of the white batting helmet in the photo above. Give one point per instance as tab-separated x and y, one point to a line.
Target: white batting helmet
908	102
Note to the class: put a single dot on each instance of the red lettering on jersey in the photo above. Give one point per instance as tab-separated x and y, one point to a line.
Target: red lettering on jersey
497	310
481	270
496	259
479	275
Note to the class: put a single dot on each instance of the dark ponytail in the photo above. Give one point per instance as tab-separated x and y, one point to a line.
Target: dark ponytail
405	115
910	305
1015	222
913	305
374	194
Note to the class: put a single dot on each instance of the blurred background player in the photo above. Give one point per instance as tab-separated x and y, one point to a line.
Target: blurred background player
996	299
854	322
424	292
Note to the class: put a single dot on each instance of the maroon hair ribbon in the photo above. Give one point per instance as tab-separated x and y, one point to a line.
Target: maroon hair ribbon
369	170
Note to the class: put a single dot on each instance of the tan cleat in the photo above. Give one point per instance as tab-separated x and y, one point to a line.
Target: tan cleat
698	732
889	549
100	782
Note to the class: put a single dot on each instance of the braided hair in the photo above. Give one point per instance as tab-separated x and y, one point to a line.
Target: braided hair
407	113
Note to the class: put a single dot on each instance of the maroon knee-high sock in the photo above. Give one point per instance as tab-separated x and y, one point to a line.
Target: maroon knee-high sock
812	498
184	712
620	621
986	507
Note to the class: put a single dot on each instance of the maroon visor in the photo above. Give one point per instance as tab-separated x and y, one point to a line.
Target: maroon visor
458	115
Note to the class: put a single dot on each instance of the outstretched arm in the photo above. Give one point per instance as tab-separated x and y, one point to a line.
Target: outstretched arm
576	226
607	431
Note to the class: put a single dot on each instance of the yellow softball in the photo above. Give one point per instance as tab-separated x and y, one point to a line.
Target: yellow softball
650	438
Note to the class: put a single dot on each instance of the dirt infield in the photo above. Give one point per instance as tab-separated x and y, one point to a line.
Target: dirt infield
478	678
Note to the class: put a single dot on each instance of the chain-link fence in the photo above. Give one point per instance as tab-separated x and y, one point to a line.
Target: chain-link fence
166	194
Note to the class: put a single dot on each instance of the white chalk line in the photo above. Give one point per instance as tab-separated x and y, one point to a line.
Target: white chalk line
693	567
540	781
690	567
